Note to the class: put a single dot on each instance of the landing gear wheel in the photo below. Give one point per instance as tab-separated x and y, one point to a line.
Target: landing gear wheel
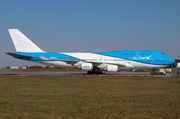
95	72
90	72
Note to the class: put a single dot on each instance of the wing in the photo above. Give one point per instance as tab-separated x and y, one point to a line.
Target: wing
77	62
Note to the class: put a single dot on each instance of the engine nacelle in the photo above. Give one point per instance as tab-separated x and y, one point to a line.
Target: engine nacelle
87	66
112	68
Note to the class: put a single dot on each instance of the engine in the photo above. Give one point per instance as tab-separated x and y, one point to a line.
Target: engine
87	66
112	68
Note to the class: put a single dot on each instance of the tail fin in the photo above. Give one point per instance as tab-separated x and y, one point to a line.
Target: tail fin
22	43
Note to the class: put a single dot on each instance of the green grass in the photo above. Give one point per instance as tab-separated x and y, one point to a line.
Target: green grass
89	97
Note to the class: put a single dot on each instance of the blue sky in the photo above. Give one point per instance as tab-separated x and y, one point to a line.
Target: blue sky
91	26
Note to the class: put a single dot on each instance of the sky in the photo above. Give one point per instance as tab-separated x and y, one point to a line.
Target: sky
91	26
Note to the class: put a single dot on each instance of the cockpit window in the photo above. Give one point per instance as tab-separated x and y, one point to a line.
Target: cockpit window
161	53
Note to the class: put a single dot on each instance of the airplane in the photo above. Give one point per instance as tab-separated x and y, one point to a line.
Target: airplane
93	62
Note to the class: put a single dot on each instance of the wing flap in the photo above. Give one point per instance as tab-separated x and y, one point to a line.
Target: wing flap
99	63
72	62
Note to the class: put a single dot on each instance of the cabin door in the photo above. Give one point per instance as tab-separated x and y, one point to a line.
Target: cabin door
152	60
100	59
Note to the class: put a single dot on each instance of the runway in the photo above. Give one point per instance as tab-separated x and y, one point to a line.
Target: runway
7	72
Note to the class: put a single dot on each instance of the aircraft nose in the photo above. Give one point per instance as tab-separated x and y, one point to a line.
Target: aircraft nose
169	60
173	61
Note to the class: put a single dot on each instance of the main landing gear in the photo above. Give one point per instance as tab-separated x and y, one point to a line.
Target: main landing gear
95	72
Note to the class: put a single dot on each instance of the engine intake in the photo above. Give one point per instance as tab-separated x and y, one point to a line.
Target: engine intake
87	66
113	68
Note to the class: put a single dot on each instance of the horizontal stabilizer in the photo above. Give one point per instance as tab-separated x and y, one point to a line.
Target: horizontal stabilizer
43	58
18	55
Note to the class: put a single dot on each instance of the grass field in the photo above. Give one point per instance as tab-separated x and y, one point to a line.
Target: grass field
89	97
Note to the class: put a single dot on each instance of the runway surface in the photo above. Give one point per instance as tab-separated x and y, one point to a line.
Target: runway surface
7	72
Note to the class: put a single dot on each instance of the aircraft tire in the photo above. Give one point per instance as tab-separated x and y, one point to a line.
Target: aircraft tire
95	72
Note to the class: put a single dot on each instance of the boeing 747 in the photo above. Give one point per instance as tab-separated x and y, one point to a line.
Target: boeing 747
92	62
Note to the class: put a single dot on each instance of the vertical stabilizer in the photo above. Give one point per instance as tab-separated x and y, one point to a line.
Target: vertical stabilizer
22	43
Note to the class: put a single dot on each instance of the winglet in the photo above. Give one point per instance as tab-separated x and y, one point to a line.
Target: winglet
22	43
